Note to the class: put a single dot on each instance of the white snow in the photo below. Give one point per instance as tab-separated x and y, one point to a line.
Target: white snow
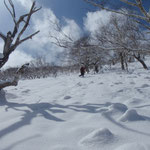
106	111
131	115
102	136
134	146
118	107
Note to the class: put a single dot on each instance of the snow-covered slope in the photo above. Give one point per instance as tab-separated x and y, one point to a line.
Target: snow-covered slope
107	111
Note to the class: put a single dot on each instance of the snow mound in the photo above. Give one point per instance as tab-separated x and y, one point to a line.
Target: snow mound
134	146
131	115
145	86
118	107
102	136
108	104
135	101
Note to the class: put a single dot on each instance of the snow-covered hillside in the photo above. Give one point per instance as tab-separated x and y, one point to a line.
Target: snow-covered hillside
107	111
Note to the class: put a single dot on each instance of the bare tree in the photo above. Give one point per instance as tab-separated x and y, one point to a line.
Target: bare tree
124	37
59	37
17	75
137	9
14	38
86	53
80	51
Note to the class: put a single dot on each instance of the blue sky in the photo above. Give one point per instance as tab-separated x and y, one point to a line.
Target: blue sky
77	16
72	13
72	9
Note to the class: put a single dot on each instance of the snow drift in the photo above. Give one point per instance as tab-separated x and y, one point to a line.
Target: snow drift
131	115
101	136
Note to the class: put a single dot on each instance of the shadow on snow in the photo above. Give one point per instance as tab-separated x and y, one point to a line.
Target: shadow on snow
48	110
30	113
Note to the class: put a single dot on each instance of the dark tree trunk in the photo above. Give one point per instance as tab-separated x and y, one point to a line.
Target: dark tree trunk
138	58
122	61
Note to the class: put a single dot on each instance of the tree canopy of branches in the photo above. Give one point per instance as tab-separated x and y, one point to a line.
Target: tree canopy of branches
86	53
137	9
125	35
120	39
14	38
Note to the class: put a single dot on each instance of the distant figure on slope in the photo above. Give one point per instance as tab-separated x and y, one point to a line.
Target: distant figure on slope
82	71
96	70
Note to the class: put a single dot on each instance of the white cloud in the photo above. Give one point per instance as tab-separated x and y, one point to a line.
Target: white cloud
18	58
25	3
71	29
41	43
41	22
95	19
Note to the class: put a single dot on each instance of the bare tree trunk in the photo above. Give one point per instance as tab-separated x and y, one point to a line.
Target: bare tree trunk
126	65
14	82
126	61
122	61
138	58
13	39
9	83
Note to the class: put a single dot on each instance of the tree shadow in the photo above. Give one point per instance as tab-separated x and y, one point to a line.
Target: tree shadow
94	108
142	106
89	108
30	111
107	115
47	110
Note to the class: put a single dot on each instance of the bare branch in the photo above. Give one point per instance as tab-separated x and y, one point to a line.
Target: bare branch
60	39
142	24
3	36
13	10
129	3
21	19
58	29
28	37
118	12
32	10
8	83
143	11
9	47
14	82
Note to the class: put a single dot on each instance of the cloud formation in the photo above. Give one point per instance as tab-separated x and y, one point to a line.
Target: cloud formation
41	43
25	3
94	20
17	58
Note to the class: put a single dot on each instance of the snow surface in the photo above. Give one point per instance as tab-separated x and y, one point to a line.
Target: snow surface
106	111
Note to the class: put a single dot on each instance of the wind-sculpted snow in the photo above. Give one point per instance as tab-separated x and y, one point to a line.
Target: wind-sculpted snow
99	137
106	111
118	107
131	115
